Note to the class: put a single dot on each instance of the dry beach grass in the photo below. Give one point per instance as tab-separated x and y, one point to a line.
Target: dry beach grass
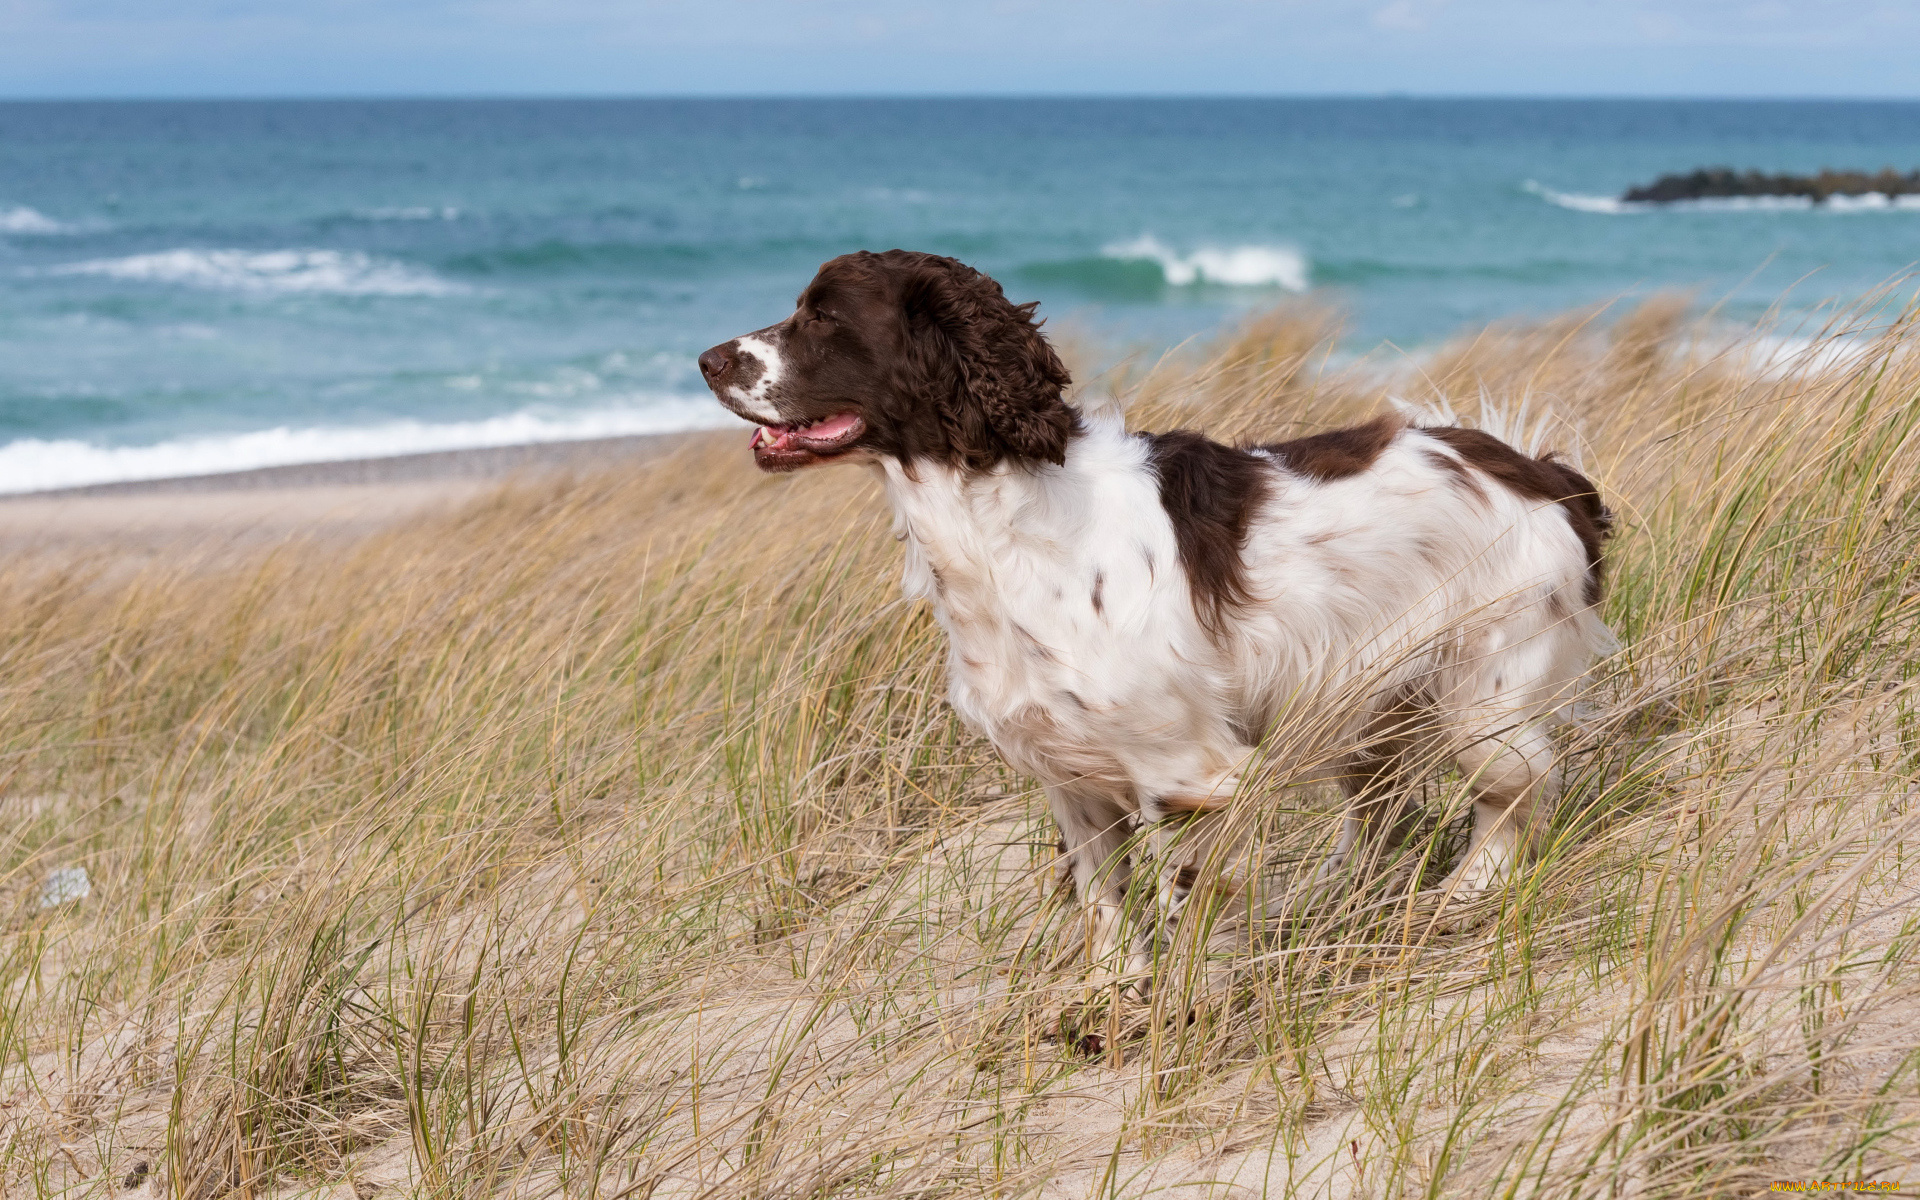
608	836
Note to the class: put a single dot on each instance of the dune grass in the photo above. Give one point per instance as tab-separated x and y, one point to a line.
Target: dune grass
611	838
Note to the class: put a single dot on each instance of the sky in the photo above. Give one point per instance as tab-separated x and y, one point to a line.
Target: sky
121	48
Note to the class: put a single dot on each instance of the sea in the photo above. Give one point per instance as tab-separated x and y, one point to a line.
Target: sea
196	287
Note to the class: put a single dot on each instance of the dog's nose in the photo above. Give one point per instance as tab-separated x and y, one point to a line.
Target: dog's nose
714	363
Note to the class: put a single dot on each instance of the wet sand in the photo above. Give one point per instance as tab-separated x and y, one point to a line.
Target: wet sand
346	498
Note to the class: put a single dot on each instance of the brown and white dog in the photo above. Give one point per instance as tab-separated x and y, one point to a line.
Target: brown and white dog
1127	613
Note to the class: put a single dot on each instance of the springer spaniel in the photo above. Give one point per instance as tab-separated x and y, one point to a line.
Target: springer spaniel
1127	613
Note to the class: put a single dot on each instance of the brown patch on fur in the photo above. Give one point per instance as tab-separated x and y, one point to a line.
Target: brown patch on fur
1034	645
1462	477
1210	493
1545	479
1186	877
1339	453
1099	585
1193	804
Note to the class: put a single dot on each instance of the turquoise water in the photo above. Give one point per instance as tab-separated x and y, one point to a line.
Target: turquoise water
190	287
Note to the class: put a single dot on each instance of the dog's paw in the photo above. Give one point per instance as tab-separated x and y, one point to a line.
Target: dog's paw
1458	910
1099	1027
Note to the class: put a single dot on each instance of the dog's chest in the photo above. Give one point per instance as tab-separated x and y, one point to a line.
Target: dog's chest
1060	638
1037	669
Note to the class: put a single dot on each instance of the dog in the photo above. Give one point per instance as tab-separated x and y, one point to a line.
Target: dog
1126	613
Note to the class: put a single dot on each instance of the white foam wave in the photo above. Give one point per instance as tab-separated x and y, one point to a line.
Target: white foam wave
1873	202
33	465
321	272
1614	206
417	212
1786	356
27	220
1232	266
1579	203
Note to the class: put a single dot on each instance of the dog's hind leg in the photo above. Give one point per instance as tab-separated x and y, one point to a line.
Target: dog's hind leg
1505	751
1379	780
1514	780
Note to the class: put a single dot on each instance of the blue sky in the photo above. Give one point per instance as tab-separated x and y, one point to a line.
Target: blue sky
758	47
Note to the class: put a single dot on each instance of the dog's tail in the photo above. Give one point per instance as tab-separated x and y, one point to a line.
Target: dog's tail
1531	429
1537	430
1540	432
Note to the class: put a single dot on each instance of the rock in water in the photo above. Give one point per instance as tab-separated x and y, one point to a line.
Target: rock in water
1714	183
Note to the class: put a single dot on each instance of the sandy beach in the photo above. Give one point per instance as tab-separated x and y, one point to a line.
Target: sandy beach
361	852
327	499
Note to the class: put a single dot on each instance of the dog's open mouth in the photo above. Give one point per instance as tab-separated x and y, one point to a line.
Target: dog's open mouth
786	447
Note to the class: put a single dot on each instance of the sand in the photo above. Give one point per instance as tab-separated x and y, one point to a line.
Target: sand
309	499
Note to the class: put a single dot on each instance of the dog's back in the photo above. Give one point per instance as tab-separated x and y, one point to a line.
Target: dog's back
1420	552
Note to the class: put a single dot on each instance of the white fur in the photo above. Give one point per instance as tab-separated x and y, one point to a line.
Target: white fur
754	402
1394	578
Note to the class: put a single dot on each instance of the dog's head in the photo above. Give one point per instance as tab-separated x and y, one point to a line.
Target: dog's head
898	355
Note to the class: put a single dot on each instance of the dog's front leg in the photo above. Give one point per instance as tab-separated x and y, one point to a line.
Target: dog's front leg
1094	829
1186	848
1185	812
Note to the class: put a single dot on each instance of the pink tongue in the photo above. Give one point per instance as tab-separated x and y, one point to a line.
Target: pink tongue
828	429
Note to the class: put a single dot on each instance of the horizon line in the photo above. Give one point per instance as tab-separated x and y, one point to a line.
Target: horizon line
1012	96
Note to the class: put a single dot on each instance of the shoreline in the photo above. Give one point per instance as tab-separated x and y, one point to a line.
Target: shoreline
475	463
347	497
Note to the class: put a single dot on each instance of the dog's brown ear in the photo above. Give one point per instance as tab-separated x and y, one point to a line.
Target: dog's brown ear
1002	392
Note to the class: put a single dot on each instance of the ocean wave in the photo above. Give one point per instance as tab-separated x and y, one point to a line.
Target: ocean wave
279	272
1362	271
1788	356
1579	203
36	465
1231	266
558	256
1614	206
414	212
22	219
1106	278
